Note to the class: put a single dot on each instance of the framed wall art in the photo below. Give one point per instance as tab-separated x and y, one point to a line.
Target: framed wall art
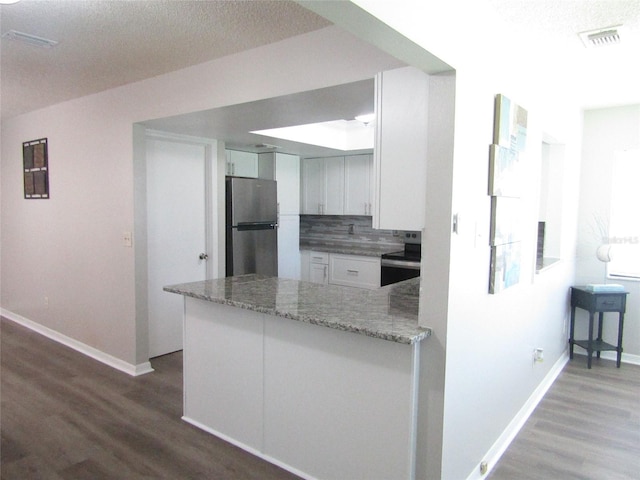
505	172
505	266
35	160
505	189
510	127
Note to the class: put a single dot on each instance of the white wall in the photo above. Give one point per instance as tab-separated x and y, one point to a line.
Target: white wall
69	248
605	131
487	341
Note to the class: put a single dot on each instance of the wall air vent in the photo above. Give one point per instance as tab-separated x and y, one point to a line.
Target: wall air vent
601	37
29	39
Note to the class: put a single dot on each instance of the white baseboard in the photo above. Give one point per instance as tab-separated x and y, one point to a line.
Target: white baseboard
507	436
247	448
110	360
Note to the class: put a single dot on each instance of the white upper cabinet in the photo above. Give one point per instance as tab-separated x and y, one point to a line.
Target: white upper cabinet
337	185
358	170
284	169
400	153
334	186
242	164
323	186
313	186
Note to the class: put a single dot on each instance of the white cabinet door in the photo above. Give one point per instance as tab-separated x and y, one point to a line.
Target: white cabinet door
305	262
319	267
288	247
354	271
318	273
313	186
288	178
242	164
400	154
323	186
357	184
284	169
334	186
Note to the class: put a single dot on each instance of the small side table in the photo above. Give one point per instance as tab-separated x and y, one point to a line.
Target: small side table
597	302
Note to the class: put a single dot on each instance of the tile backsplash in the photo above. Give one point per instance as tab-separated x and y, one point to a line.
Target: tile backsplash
337	228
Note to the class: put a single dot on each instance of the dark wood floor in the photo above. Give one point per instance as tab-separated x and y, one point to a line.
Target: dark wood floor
586	427
66	416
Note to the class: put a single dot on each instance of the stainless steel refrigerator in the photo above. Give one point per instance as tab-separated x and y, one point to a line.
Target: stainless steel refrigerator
251	232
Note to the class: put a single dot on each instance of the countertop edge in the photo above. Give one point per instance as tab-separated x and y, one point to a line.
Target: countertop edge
403	339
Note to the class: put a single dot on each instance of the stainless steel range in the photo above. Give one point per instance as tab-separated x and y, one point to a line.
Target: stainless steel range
402	265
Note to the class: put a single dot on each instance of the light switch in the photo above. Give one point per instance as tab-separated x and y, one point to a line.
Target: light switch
127	239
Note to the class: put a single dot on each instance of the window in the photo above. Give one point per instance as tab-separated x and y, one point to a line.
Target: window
624	225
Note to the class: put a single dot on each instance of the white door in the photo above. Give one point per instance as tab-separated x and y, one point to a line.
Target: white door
176	235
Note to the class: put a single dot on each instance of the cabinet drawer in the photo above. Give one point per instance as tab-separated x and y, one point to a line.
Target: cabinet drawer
609	303
319	257
354	271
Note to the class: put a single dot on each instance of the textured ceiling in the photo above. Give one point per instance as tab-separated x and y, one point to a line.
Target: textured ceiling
104	44
565	18
108	43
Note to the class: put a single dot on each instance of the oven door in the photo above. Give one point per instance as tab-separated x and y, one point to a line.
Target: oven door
393	271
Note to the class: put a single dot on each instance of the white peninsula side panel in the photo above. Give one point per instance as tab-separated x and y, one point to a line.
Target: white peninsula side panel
319	402
222	363
338	405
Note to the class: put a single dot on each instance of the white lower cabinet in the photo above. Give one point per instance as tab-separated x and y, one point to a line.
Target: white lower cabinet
354	271
319	267
339	269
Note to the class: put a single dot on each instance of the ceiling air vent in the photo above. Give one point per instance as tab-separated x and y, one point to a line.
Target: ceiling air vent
601	37
266	145
29	39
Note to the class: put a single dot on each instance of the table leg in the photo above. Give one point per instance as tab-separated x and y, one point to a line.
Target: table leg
599	339
590	344
573	323
619	348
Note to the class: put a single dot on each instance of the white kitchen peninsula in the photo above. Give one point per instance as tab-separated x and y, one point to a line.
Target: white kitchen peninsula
319	379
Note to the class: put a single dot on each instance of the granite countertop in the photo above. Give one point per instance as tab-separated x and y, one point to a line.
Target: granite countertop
348	248
389	313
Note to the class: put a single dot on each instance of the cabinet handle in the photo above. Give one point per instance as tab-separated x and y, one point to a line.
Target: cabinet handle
353	272
325	271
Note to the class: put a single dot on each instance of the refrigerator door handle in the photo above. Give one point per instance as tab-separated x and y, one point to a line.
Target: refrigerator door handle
244	226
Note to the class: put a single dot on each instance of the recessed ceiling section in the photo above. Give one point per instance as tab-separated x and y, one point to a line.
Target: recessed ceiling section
345	135
250	126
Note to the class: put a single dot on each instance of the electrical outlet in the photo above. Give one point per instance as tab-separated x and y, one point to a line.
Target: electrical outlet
538	355
46	302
